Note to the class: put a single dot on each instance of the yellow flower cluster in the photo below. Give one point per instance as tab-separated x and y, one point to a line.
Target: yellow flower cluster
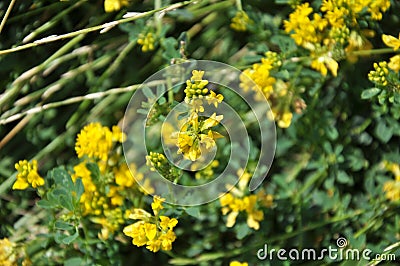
104	196
27	175
394	43
196	135
379	75
240	21
114	5
154	231
385	73
96	141
146	41
260	78
335	27
10	254
392	188
237	200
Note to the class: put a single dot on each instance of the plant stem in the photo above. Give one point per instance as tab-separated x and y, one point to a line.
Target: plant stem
3	21
239	5
54	38
77	99
157	18
50	23
372	52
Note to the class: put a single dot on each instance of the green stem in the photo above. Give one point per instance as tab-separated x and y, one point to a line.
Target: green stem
239	5
18	83
91	96
54	38
3	21
114	66
157	18
50	23
371	52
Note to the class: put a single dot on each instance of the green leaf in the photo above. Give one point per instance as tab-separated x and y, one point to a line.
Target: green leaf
69	239
60	192
79	188
75	261
242	230
343	178
63	225
383	132
148	93
62	178
193	211
369	93
162	100
45	204
66	203
94	170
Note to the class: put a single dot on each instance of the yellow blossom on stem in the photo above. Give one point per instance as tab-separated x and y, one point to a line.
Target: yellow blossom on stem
391	41
240	21
146	41
392	187
156	232
236	201
96	141
27	175
156	206
394	63
114	5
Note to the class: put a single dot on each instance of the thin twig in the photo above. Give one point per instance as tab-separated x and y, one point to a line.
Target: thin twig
3	21
91	96
54	38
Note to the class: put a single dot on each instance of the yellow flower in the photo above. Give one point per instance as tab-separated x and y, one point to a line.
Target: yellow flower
139	214
392	190
392	187
285	120
156	206
27	175
95	141
237	263
236	201
215	99
254	216
7	252
146	41
324	62
391	41
379	75
394	63
123	176
197	75
150	230
240	21
114	5
156	232
153	245
166	239
137	232
118	135
167	223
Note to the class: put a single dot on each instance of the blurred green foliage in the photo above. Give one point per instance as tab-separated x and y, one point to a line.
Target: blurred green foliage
328	174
